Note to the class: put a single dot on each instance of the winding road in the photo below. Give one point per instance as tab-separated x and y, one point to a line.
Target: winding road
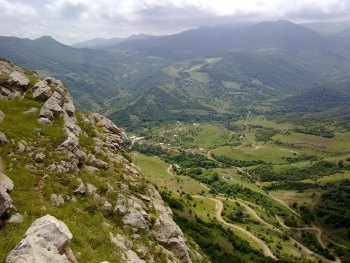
169	169
219	207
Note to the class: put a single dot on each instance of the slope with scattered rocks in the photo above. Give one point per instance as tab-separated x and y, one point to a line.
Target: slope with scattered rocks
68	173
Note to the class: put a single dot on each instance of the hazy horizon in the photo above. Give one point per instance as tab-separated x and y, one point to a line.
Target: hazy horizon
72	21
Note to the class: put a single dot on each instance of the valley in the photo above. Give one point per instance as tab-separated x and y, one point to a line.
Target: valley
244	132
248	187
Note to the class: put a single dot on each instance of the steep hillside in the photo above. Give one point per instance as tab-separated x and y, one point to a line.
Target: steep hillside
72	166
92	75
210	40
216	73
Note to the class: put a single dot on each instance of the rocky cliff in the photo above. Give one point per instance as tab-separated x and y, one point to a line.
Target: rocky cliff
67	187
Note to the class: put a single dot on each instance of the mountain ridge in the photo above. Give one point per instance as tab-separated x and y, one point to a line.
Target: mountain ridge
62	161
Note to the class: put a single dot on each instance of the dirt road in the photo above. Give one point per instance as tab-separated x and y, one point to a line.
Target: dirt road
219	207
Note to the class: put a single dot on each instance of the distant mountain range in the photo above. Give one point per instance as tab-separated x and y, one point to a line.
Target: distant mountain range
210	72
99	43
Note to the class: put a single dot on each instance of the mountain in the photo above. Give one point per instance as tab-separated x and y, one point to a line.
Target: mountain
100	43
207	73
69	178
210	40
328	28
93	75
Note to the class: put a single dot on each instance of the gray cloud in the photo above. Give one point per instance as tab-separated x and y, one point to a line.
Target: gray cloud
71	21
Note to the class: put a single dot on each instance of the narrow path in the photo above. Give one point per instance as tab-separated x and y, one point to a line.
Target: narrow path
206	187
318	236
252	212
284	204
209	155
219	207
169	169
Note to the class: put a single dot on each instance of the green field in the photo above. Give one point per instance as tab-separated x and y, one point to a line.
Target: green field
253	142
268	153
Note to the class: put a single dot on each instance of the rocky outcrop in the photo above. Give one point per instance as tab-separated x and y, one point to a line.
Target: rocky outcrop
89	168
42	93
167	232
6	186
47	240
18	80
3	138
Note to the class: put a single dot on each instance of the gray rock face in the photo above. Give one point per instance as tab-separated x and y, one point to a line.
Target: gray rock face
137	219
46	113
179	248
21	147
70	143
93	161
44	121
167	232
69	107
16	219
6	185
5	67
42	93
132	257
17	79
53	104
46	240
3	138
81	189
5	201
57	200
32	110
39	157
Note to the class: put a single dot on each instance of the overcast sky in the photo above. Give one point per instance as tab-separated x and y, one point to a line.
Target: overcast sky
71	21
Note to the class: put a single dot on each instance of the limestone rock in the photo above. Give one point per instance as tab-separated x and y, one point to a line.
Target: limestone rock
120	204
57	200
39	157
44	121
81	189
167	232
5	67
46	240
79	155
57	96
179	248
42	93
31	110
5	201
107	205
102	121
18	79
52	80
136	218
70	143
16	219
53	104
90	189
69	107
93	161
91	169
132	257
46	113
6	183
21	147
3	138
